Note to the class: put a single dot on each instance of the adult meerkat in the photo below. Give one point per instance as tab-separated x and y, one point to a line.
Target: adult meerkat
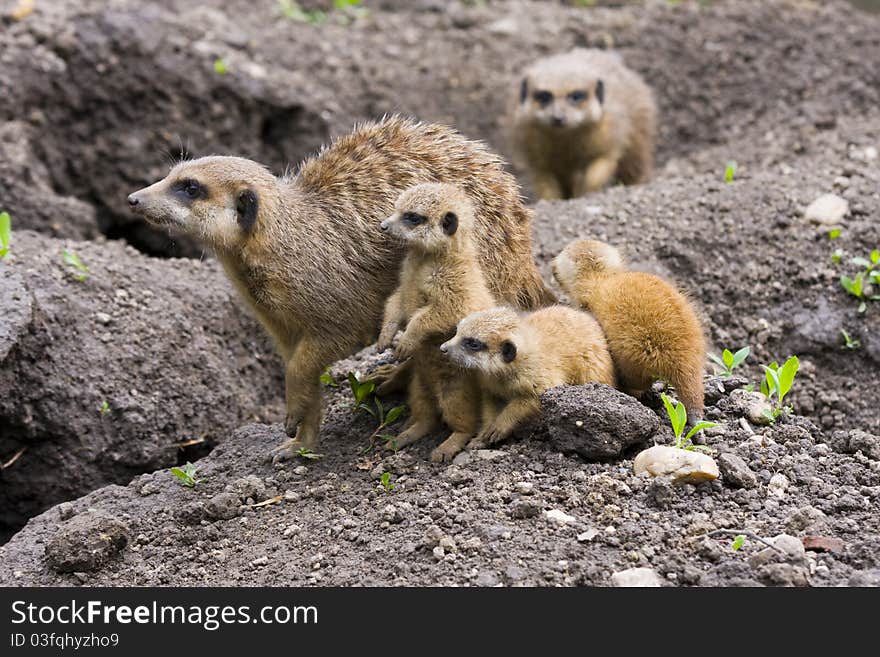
652	329
304	252
519	356
583	121
440	282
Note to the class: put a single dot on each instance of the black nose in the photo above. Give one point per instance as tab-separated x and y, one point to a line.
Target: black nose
444	348
383	227
133	200
558	120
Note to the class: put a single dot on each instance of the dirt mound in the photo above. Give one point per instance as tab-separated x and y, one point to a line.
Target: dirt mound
521	515
164	344
115	92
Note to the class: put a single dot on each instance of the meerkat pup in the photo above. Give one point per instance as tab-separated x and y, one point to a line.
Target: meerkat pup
584	120
518	356
440	282
304	252
652	329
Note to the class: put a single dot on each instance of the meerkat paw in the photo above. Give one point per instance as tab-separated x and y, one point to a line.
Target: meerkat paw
477	442
381	374
291	424
446	451
286	451
404	350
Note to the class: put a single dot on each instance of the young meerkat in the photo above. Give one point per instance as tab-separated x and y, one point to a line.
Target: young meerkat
652	329
304	252
518	356
440	282
583	121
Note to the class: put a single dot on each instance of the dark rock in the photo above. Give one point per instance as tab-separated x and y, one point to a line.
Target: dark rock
717	387
223	506
523	509
593	420
86	542
736	471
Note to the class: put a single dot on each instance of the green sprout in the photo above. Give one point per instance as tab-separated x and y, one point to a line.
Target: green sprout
862	286
776	385
292	10
729	361
306	453
327	379
738	541
220	66
730	171
186	474
70	258
834	233
345	4
365	399
5	233
849	342
836	256
385	479
678	418
105	407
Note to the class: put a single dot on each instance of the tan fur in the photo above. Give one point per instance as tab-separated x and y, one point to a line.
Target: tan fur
652	329
554	346
573	147
314	267
440	282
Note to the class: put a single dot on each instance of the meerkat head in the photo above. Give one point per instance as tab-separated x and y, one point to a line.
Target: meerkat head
430	216
560	93
218	200
584	258
488	340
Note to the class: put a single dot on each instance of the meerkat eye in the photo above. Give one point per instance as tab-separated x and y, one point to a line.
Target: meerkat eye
192	189
472	344
413	219
508	351
543	97
450	223
577	96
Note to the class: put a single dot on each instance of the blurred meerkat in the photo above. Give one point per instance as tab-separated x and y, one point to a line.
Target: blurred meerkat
440	282
304	252
518	356
652	329
583	121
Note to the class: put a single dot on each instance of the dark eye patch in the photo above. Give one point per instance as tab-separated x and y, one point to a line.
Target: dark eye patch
190	189
577	96
600	91
472	344
543	97
413	219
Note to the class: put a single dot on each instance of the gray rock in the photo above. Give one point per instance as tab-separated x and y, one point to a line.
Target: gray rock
736	471
593	420
850	442
788	549
637	577
807	519
523	509
828	210
249	487
751	405
86	542
487	578
223	506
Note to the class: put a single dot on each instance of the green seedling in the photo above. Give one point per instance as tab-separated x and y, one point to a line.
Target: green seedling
70	258
306	453
105	407
678	418
365	399
862	287
385	479
849	342
834	233
186	474
776	385
346	4
328	380
730	171
220	66
292	10
5	233
738	541
729	361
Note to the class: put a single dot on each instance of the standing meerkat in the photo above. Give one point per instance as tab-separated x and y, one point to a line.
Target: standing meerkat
519	356
584	120
652	329
304	252
440	282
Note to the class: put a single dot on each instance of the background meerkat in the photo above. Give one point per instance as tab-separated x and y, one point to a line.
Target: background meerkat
519	356
440	282
652	330
584	120
304	252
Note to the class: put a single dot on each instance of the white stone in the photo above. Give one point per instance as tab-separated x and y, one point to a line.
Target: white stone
778	485
828	209
588	535
637	577
684	466
555	515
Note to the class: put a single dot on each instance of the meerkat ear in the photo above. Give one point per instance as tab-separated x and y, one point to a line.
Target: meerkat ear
600	91
246	206
508	351
450	223
523	90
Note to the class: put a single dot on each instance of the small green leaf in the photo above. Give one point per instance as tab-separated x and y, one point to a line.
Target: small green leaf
327	379
861	262
220	67
837	255
727	357
730	172
5	233
834	234
105	407
715	359
770	414
875	256
70	258
386	482
672	412
740	356
786	376
738	542
394	413
699	426
306	453
186	475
